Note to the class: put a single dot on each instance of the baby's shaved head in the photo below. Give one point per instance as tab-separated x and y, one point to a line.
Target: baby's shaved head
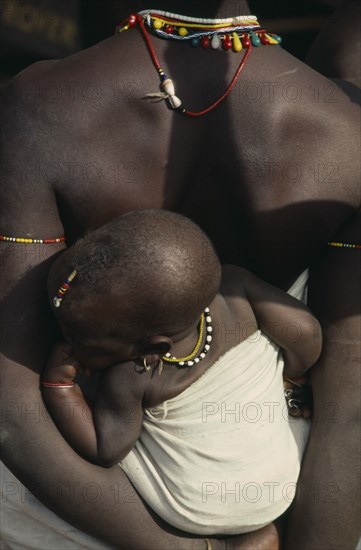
156	270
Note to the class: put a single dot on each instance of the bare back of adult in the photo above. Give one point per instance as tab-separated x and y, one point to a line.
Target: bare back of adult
281	149
270	174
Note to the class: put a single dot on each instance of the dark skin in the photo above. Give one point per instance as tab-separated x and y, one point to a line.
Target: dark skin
334	55
253	305
336	415
271	181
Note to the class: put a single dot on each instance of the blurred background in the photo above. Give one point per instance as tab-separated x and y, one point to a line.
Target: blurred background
49	29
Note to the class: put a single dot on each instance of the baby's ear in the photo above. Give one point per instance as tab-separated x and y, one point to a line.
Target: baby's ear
155	345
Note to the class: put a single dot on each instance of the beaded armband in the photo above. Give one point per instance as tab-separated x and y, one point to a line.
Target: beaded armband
344	245
27	240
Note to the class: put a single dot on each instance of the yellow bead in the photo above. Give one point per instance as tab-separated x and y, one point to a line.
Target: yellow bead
157	24
182	31
271	39
237	44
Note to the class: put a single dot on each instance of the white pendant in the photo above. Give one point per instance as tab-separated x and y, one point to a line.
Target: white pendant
215	42
168	86
174	101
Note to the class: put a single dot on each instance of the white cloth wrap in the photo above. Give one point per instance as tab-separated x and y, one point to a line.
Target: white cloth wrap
223	457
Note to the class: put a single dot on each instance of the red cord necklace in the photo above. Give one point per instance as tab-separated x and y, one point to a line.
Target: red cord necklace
242	32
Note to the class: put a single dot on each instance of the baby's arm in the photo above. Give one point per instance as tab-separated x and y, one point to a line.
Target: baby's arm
287	321
106	432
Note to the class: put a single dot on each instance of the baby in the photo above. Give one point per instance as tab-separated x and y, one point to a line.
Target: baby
190	399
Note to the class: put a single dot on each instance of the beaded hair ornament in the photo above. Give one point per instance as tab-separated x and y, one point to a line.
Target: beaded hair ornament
64	289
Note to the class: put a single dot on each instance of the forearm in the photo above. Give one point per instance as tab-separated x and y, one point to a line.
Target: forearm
73	417
28	432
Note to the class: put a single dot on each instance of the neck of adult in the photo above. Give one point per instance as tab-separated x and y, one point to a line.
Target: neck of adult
201	8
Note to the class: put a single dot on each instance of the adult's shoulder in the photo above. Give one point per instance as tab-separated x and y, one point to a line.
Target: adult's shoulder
25	91
25	110
233	280
26	154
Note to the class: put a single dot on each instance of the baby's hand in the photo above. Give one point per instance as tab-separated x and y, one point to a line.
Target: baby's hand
62	366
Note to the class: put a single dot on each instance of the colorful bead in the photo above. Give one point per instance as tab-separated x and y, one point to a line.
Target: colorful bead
237	44
215	42
132	21
157	24
255	39
182	31
169	29
227	42
264	39
277	38
205	42
271	40
245	40
194	42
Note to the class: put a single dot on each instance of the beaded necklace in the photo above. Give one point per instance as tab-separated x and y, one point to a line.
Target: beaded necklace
193	358
233	33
